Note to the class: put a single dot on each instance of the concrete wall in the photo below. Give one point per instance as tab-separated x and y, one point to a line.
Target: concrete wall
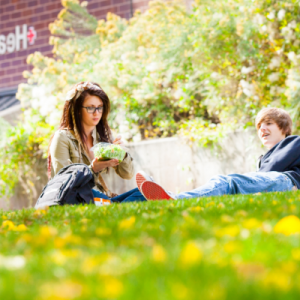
179	167
173	163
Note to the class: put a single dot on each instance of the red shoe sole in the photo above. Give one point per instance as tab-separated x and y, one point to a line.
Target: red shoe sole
139	180
153	191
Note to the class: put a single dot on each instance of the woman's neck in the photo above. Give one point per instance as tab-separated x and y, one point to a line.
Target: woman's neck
88	130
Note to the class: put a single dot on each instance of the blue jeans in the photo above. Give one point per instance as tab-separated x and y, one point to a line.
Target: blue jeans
131	196
249	183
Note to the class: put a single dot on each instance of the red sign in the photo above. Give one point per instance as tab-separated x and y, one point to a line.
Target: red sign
31	35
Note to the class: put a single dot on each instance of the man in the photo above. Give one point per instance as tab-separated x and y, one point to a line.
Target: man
278	169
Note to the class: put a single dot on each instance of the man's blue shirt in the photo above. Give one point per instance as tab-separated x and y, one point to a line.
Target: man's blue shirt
284	157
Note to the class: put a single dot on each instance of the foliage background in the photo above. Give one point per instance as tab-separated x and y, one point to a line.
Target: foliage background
168	71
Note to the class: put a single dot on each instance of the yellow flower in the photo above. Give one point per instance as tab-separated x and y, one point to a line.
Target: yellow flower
277	279
212	203
103	231
7	224
190	254
84	221
195	209
289	267
20	227
251	223
58	258
159	254
39	213
296	253
232	247
221	205
179	291
226	219
232	230
241	213
61	290
47	231
288	225
127	223
59	242
112	288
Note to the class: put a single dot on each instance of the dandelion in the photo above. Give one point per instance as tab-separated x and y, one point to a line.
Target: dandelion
296	254
20	227
127	223
48	231
61	290
232	231
8	225
232	247
112	288
278	280
288	225
190	255
103	231
212	203
251	223
241	213
226	219
179	291
221	205
39	213
159	254
84	221
195	209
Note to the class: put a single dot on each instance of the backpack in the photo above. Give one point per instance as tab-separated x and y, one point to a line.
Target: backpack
71	185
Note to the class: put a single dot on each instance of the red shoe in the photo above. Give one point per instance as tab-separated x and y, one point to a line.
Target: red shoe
141	177
153	191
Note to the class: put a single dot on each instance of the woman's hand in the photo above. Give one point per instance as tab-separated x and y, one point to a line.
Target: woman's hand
99	165
118	141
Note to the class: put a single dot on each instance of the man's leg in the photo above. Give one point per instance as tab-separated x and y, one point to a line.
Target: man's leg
249	183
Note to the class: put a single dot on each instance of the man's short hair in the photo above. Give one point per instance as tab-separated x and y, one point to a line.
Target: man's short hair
278	115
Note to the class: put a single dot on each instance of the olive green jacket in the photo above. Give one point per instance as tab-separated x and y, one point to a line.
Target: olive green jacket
64	151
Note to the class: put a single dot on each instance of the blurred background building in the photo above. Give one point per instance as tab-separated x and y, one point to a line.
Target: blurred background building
24	30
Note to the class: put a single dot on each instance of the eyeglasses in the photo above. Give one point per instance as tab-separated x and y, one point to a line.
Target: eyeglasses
92	110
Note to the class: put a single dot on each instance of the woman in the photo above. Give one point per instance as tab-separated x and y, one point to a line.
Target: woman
83	125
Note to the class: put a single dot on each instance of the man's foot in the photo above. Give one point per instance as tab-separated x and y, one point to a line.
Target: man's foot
153	191
141	177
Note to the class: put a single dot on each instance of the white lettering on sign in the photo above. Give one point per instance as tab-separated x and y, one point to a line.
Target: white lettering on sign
13	41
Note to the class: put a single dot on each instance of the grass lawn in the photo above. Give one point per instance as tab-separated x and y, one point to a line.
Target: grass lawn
230	247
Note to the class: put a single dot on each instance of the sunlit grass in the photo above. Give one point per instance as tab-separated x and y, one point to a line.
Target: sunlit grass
230	247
